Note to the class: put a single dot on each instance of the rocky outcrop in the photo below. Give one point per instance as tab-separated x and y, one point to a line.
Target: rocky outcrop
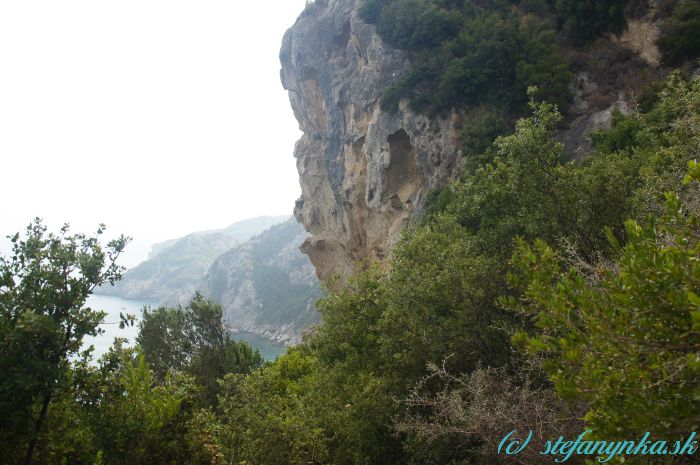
576	137
621	79
266	286
363	172
641	36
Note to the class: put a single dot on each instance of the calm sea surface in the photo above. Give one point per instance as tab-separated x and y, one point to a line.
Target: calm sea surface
114	305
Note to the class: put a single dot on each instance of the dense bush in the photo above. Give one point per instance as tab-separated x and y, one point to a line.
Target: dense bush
480	129
583	20
622	335
468	55
680	34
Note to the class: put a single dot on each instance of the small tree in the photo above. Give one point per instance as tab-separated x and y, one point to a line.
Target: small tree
44	286
194	340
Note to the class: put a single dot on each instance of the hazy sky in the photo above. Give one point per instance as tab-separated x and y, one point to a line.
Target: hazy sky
157	118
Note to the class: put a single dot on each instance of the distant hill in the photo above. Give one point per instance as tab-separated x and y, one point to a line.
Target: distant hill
266	285
254	268
175	267
240	231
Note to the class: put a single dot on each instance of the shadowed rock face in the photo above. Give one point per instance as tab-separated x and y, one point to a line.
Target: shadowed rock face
363	172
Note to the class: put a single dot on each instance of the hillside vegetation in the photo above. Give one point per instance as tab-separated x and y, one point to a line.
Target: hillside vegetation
479	57
513	296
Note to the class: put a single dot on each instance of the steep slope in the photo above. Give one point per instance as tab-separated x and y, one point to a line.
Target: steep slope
266	285
175	267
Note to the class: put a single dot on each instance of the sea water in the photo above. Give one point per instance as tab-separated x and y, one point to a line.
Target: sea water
113	306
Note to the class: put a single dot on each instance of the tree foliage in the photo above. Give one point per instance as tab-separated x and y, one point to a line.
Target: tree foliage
624	337
44	286
194	340
621	334
680	34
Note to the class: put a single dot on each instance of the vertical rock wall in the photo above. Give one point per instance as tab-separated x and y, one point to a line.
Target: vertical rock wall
363	172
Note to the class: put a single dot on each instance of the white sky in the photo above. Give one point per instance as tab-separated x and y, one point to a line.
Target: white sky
156	117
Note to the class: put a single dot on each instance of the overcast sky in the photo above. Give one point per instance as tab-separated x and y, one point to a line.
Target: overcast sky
157	118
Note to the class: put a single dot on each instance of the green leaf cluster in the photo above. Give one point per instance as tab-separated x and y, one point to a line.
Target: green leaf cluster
625	337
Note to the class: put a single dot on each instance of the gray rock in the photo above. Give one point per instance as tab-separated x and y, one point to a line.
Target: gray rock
363	172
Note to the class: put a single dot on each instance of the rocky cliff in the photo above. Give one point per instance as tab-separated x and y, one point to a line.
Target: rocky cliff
363	172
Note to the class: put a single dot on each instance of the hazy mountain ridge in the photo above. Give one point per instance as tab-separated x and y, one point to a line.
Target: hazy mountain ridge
241	231
175	267
254	268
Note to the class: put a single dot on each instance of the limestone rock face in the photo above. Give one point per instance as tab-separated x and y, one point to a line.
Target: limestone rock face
363	172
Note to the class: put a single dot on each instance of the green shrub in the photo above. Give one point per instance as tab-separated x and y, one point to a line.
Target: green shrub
680	34
479	131
583	20
624	338
621	136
